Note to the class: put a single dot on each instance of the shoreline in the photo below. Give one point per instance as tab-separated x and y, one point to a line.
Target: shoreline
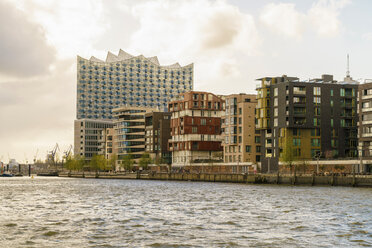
300	180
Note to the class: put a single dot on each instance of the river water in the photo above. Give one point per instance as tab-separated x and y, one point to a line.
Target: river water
64	212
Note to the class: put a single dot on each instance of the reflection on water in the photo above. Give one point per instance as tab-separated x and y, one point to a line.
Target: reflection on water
59	212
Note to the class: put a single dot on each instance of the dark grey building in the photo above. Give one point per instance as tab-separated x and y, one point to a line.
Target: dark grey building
306	119
157	134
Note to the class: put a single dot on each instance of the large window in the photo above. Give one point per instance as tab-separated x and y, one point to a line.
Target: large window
317	91
317	100
296	142
315	142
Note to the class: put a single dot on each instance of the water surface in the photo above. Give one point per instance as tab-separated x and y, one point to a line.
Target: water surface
64	212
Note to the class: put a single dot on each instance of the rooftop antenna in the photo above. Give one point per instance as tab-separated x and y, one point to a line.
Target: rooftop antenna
348	68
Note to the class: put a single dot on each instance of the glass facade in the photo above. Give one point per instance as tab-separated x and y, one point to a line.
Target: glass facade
125	80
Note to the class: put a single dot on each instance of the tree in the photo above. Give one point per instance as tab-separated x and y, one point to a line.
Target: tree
112	161
127	162
98	162
145	160
287	156
74	163
70	163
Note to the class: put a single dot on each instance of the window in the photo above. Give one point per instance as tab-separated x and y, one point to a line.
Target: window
257	139
258	148
331	122
316	91
296	142
203	121
275	122
275	111
247	148
316	122
331	92
296	132
342	122
240	139
275	102
317	100
342	92
194	129
316	111
240	111
276	92
315	142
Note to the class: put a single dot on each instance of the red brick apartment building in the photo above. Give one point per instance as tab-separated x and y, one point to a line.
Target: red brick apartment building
196	128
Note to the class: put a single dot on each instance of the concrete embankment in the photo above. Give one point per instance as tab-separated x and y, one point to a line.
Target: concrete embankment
331	180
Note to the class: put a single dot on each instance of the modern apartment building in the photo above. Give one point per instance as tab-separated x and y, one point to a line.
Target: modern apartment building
90	137
306	119
157	134
365	126
196	128
126	80
107	144
241	141
130	131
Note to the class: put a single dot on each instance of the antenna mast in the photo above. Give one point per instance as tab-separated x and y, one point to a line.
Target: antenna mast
348	68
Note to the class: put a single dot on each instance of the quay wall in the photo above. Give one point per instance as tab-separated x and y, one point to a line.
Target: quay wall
286	179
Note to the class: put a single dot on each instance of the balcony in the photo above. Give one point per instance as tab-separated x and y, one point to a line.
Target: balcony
366	109
366	122
299	92
367	97
263	84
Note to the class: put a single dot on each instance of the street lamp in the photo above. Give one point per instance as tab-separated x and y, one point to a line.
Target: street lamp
361	160
317	157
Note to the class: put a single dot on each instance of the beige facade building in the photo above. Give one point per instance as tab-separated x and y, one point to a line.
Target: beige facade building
241	142
90	137
129	133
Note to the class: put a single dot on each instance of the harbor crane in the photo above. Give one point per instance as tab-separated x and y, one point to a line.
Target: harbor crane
67	154
68	151
52	154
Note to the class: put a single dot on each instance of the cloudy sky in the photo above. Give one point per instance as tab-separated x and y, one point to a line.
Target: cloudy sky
231	42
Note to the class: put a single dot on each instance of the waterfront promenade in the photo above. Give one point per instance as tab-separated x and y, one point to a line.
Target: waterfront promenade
284	179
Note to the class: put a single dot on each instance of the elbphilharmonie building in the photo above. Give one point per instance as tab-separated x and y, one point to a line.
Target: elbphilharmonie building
126	80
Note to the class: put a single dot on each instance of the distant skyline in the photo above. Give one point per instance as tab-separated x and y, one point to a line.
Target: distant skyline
231	43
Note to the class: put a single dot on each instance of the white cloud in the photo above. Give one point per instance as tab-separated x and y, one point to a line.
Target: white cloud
70	25
322	18
23	47
367	36
283	18
205	32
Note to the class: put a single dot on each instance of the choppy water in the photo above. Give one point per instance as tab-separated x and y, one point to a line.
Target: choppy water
57	212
